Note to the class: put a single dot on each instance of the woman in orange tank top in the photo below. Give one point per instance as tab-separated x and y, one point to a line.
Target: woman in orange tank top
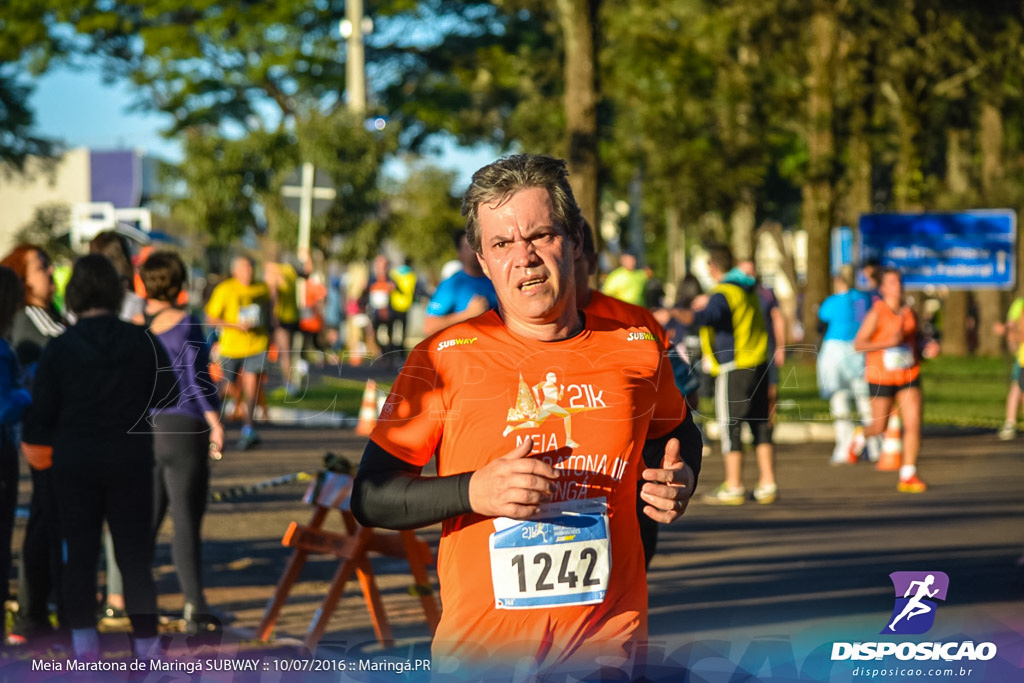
889	339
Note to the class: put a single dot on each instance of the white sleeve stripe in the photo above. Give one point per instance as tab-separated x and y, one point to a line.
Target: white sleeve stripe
43	322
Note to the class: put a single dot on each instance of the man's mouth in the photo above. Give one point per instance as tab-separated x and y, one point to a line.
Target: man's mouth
530	283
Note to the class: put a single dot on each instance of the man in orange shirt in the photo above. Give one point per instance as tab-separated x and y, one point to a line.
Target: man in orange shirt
540	559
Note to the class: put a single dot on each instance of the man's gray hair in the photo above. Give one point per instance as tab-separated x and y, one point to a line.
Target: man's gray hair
497	182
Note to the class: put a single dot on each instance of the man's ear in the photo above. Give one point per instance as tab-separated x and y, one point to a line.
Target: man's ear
483	264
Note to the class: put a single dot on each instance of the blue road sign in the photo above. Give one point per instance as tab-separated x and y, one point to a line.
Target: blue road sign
969	250
842	248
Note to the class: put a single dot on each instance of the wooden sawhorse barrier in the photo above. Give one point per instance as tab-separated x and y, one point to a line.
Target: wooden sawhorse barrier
332	490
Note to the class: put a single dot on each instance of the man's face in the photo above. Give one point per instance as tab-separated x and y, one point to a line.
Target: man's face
528	257
241	270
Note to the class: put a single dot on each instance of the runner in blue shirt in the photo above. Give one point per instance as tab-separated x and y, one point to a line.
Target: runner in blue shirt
841	368
466	294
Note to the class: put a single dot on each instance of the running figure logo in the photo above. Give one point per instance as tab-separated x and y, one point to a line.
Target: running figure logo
914	612
534	405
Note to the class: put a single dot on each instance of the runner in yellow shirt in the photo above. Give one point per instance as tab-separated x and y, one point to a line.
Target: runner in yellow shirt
240	308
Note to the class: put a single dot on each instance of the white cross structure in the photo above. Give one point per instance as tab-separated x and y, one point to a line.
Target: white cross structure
306	192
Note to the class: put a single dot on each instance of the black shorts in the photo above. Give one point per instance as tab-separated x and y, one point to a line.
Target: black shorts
741	395
890	390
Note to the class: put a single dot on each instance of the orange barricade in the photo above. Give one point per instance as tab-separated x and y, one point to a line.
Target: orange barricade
331	490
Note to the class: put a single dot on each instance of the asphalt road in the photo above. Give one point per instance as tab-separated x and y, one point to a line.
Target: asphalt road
736	593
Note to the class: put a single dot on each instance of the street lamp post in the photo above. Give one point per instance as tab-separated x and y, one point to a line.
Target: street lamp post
353	27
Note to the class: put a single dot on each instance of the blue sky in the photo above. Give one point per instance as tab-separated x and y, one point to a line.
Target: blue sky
81	110
78	108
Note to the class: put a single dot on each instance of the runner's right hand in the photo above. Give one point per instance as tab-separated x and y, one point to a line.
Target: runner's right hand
513	485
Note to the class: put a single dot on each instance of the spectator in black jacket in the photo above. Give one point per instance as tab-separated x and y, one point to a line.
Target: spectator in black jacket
94	388
13	400
35	323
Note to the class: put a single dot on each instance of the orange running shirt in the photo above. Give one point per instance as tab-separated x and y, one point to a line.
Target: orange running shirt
896	365
616	309
472	392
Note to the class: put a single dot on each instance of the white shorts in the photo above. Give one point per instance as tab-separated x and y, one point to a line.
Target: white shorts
839	367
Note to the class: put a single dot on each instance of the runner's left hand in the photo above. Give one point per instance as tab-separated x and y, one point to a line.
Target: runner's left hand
667	490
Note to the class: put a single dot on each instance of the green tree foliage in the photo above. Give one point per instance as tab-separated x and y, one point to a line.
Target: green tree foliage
253	89
17	139
424	214
224	179
483	72
352	156
49	229
800	113
211	63
25	46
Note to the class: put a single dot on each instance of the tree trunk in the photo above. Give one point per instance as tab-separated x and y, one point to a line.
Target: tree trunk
990	305
954	326
742	221
676	252
818	193
907	174
858	198
991	143
954	322
579	22
957	165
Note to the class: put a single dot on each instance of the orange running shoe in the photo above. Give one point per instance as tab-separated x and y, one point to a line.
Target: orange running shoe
912	485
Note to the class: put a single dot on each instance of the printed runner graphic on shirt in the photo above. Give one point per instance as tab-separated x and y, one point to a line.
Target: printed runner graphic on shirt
549	399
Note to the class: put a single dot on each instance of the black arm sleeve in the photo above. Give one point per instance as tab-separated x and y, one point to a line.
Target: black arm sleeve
691	447
390	493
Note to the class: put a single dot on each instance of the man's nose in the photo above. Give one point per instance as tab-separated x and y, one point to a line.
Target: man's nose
524	252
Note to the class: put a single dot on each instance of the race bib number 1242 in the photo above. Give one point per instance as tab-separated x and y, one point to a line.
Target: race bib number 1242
560	557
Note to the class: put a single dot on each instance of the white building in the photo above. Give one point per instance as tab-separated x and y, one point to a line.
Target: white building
123	178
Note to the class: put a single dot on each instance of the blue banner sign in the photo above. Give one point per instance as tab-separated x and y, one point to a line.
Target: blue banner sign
969	250
842	248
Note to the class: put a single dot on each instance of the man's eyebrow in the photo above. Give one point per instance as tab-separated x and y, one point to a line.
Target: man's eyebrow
545	227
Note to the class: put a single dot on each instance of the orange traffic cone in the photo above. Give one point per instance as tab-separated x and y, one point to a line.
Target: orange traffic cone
368	410
892	446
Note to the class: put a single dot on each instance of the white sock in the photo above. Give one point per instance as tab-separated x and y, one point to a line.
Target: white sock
907	471
86	642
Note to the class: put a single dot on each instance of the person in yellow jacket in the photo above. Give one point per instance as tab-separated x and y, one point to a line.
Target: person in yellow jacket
627	282
734	341
402	297
240	307
283	284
